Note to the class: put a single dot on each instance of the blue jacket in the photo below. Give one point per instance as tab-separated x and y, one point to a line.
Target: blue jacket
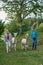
34	34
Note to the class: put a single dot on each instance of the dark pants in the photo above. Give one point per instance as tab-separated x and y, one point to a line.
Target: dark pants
34	42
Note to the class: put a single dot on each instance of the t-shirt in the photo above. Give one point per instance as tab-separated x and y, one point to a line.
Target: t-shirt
8	36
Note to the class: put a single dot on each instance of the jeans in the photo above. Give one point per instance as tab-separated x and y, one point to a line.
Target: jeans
34	42
7	46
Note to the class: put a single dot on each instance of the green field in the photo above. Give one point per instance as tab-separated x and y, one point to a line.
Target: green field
21	57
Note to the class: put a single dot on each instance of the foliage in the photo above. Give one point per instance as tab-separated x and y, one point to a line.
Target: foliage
1	27
20	9
12	27
40	21
41	27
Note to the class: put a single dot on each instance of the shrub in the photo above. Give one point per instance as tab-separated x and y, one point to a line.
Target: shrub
41	27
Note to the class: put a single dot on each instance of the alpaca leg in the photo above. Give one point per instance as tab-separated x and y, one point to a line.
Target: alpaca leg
15	47
22	46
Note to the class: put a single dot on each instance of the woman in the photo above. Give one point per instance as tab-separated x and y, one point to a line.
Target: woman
7	39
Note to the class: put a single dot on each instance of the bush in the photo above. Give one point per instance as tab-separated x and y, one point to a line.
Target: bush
41	27
2	27
12	27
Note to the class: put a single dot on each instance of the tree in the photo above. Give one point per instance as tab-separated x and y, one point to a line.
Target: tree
21	9
12	27
1	27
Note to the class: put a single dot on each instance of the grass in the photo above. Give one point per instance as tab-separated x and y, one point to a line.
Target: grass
21	57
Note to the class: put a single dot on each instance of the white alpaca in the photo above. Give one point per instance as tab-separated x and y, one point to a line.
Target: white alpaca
14	41
24	42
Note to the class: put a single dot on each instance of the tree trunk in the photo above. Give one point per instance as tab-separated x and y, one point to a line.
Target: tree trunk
20	29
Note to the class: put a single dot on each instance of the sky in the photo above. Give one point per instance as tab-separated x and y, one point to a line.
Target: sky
3	15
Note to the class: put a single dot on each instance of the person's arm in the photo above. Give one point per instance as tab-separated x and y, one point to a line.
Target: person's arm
4	38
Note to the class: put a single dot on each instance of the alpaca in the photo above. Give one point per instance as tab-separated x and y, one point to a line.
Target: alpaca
14	41
24	42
